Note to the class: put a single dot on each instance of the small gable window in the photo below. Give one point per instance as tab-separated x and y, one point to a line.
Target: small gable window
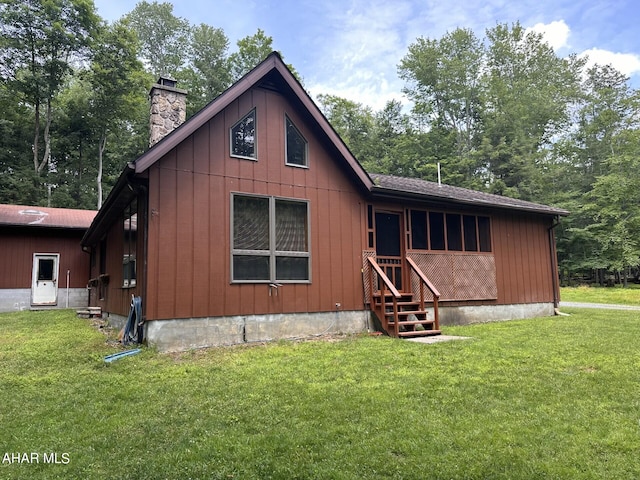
243	137
296	145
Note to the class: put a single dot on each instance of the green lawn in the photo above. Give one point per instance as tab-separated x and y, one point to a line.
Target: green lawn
616	295
537	399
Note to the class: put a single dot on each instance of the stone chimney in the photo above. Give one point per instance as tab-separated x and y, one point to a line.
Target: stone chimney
168	109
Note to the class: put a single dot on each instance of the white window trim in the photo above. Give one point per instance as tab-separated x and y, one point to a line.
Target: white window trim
306	144
255	142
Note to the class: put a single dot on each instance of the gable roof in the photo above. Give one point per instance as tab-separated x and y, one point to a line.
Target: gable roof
29	216
417	189
271	72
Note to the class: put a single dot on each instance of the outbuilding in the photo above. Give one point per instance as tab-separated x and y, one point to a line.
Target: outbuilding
41	261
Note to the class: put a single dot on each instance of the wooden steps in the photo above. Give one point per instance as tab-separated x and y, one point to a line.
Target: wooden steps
411	320
90	312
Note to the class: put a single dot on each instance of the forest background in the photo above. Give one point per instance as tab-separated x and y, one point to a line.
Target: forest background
502	114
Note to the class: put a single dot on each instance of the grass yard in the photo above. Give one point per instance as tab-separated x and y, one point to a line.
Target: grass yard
536	399
615	295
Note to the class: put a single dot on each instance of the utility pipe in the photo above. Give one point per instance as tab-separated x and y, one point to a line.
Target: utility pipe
553	256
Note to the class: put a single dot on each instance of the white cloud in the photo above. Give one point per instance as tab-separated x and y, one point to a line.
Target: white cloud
626	63
361	51
555	33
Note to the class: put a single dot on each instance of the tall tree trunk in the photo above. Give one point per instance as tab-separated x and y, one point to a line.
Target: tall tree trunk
101	147
36	138
46	157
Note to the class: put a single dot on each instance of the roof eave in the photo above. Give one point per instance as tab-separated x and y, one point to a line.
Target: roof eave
390	193
104	217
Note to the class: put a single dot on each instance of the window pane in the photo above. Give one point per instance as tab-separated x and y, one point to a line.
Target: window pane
292	268
470	241
436	230
418	230
45	269
250	223
248	267
130	243
291	226
484	233
296	145
243	136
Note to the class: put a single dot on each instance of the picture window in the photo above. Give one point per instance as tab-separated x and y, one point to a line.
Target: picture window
270	239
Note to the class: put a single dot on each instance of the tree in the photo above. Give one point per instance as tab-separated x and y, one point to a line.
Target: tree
252	50
209	72
17	176
354	123
598	159
115	77
73	146
164	38
444	82
38	41
528	93
614	205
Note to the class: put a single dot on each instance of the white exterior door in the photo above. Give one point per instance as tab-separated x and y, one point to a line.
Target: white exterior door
44	283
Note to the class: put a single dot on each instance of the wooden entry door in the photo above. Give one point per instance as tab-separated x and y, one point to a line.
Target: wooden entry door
44	282
389	251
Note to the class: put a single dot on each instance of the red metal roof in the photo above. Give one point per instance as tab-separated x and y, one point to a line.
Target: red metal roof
22	215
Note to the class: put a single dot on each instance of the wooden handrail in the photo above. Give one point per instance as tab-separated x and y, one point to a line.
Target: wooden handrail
430	286
394	292
423	277
385	279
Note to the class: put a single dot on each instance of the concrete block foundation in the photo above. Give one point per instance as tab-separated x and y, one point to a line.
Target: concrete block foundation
465	315
15	299
191	333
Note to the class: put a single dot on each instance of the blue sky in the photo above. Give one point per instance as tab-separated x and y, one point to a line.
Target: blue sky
351	48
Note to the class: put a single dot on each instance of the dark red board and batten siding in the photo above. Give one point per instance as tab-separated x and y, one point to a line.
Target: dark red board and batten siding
189	238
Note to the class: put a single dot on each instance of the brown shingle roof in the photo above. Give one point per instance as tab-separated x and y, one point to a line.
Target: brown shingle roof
21	215
421	189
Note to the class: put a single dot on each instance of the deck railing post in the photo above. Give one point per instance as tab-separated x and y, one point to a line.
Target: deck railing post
383	284
435	313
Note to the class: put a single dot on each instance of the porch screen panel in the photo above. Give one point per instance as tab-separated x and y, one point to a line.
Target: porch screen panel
470	233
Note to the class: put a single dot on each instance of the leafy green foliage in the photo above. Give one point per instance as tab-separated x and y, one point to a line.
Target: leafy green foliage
163	37
39	40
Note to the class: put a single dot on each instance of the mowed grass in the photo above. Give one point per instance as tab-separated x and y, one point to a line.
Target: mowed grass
545	398
615	295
